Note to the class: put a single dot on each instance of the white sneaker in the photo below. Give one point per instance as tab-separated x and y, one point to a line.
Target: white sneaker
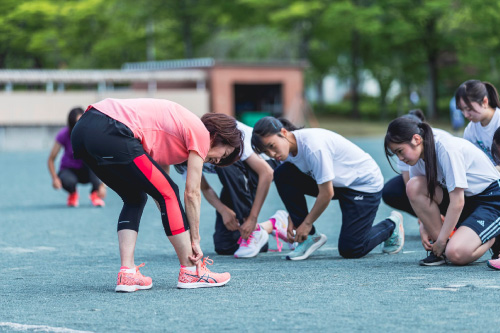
251	247
280	228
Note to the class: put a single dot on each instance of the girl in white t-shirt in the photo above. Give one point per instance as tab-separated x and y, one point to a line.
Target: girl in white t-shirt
394	192
448	176
479	102
324	164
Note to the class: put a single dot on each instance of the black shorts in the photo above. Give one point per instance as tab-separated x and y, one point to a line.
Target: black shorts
112	141
109	148
481	212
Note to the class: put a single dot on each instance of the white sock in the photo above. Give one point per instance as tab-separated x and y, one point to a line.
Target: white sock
128	270
191	268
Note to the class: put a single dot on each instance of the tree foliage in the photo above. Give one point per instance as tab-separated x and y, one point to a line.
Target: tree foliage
430	44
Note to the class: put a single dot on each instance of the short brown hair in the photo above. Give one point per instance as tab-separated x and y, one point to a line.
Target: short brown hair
223	131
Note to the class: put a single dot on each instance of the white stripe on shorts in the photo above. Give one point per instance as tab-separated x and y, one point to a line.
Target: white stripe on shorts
492	229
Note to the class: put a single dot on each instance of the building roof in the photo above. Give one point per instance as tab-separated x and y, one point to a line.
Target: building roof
208	63
98	76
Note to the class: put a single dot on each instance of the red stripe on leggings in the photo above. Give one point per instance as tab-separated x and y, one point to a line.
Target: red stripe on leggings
159	181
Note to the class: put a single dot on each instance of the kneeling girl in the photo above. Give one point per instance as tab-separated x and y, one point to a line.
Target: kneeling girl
324	164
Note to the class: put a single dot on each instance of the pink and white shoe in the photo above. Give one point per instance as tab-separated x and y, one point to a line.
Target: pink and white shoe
130	279
202	277
250	247
280	226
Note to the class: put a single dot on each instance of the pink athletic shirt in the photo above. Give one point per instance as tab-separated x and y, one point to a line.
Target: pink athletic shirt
166	130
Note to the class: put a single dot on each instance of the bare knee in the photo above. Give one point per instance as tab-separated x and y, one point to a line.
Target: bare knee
456	255
415	187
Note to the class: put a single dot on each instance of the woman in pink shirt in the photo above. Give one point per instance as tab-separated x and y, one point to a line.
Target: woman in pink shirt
130	144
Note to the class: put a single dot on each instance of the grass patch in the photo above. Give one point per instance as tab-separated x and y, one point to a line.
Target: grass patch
353	128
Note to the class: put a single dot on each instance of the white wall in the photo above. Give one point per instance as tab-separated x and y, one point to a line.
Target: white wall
41	108
30	120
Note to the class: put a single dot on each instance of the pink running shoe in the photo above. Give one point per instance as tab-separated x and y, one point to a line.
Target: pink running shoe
130	279
494	263
280	226
73	199
202	278
96	200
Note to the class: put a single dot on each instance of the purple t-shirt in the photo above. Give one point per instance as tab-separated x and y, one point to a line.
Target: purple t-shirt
67	161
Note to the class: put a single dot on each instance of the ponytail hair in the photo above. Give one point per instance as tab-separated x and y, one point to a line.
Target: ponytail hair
493	99
419	114
402	130
72	117
494	147
475	91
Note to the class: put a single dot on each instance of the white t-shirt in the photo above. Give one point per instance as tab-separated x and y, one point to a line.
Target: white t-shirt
246	131
460	164
326	155
481	136
402	166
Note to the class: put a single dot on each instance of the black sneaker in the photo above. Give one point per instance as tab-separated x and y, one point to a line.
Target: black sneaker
495	249
432	260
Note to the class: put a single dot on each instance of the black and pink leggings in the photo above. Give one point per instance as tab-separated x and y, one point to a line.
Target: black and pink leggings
118	159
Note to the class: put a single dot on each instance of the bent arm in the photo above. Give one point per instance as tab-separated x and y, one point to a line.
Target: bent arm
457	201
192	196
323	199
211	196
52	157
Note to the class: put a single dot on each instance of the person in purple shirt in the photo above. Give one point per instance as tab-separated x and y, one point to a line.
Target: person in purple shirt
73	171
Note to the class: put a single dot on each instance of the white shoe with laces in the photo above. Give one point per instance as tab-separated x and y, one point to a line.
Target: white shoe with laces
250	247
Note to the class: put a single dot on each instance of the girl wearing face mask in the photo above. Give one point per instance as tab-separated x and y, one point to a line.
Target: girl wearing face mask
448	176
325	165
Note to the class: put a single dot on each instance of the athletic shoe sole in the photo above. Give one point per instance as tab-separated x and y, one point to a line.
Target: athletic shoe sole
262	244
310	250
194	285
121	288
436	263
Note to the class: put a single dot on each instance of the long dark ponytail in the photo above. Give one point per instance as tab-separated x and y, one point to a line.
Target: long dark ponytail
475	91
268	126
402	130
